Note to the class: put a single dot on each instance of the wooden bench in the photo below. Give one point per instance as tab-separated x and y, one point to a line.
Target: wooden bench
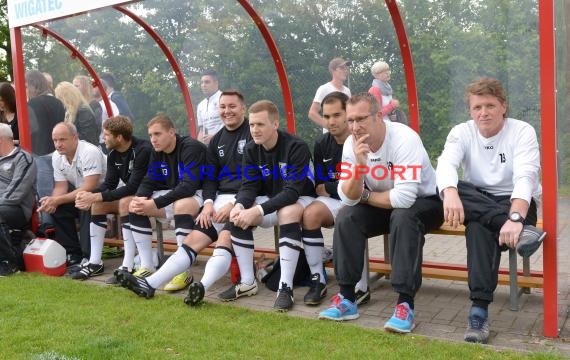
519	281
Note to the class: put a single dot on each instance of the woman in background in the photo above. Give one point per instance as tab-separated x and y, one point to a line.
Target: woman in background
8	113
78	112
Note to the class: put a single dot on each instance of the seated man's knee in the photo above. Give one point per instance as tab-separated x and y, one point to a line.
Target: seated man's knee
402	217
187	205
224	239
290	213
124	204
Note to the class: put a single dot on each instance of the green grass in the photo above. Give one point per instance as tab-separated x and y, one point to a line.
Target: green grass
55	318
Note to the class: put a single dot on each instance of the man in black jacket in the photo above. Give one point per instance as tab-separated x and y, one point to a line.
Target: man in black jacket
275	190
171	189
127	162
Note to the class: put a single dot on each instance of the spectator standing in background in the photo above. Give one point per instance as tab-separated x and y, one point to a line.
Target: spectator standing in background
208	114
382	89
8	113
338	67
44	111
117	97
78	112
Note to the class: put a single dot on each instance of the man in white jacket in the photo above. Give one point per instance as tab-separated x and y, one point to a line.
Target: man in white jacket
501	163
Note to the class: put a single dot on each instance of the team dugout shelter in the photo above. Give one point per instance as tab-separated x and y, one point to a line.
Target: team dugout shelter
44	17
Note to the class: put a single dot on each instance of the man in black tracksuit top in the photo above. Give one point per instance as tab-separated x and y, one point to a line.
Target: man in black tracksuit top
170	189
127	162
222	178
277	177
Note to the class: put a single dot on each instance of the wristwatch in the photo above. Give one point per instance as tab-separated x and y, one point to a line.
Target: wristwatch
516	217
364	196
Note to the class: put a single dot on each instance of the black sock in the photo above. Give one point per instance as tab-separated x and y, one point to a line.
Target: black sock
484	304
405	298
348	292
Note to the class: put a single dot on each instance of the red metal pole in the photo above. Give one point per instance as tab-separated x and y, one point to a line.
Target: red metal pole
172	60
549	162
75	54
413	108
20	88
277	60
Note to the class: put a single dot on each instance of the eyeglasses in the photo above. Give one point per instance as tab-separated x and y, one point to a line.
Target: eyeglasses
359	120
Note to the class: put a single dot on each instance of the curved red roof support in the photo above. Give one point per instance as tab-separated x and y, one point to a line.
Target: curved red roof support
75	54
547	58
172	60
277	60
413	108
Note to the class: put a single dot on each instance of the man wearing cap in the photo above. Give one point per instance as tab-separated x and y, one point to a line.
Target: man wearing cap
338	67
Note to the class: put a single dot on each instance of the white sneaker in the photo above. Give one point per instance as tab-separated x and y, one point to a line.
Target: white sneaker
238	290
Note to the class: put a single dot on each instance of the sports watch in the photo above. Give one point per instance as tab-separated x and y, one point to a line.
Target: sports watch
516	217
365	195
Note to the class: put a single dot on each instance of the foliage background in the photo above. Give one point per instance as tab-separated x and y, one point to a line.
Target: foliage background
452	42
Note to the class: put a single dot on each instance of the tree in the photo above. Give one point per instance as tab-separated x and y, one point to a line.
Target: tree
5	49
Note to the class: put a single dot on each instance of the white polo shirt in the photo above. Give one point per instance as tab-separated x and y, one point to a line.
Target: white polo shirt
88	160
208	114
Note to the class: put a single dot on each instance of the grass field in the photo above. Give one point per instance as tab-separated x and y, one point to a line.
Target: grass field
56	318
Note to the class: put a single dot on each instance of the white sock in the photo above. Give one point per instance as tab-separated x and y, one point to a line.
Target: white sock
314	253
244	257
143	240
176	264
97	230
129	246
216	267
288	259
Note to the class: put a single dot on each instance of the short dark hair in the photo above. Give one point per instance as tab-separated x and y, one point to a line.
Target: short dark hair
365	97
163	120
119	125
36	83
109	79
210	72
335	96
233	92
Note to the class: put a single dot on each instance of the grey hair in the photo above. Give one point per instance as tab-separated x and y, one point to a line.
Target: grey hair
6	131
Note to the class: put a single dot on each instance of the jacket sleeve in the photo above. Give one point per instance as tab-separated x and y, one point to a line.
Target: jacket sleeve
251	183
210	185
293	179
23	181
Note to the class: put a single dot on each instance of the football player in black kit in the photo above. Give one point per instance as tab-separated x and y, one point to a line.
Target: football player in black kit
275	190
127	162
221	182
322	212
171	189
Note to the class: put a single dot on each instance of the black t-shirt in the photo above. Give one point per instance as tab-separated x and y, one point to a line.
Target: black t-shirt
328	154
